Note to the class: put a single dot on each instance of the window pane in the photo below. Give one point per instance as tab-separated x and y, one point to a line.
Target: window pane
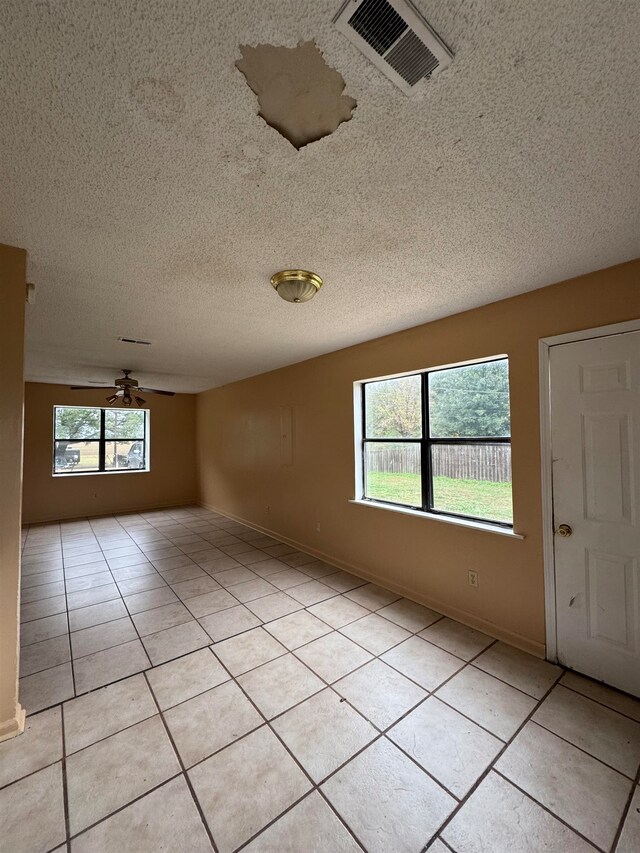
76	422
119	423
392	472
473	479
470	402
71	457
394	408
120	455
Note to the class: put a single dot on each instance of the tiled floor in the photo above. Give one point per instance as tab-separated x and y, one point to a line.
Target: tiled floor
193	685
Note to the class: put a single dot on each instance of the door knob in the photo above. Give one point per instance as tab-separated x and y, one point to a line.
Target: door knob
564	530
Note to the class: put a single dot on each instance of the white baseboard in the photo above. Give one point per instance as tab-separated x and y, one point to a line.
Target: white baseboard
14	726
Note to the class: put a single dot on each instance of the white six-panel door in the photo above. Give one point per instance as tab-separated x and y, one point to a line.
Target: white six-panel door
595	445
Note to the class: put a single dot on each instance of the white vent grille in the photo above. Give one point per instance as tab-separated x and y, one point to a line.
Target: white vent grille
395	37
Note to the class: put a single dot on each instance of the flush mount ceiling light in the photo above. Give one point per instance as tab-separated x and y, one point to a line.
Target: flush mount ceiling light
296	285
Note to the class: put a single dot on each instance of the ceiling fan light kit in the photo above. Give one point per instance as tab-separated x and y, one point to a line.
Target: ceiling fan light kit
125	389
296	285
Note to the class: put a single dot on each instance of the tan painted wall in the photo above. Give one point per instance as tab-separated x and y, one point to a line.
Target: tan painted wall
240	471
171	480
12	301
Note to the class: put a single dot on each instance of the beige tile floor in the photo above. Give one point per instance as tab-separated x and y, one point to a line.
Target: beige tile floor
194	685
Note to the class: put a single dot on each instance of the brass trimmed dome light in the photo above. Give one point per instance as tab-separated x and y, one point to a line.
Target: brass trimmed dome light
296	285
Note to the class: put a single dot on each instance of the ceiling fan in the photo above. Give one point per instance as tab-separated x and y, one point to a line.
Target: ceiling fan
125	389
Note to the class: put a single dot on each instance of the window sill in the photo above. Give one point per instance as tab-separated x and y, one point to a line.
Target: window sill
102	473
447	519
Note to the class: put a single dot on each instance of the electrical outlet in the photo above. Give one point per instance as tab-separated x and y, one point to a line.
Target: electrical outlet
318	526
473	579
267	507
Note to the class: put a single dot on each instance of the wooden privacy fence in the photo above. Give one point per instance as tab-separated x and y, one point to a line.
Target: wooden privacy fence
462	461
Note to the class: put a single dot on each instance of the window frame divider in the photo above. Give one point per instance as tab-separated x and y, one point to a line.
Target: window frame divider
426	474
426	441
102	444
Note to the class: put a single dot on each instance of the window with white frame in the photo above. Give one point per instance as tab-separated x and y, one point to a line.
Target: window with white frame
89	440
439	441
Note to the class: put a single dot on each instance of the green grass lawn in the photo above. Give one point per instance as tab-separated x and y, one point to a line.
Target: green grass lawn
468	497
90	455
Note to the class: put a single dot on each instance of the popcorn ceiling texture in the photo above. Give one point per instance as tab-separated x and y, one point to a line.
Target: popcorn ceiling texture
155	203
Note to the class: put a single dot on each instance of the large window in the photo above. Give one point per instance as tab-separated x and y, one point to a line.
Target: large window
89	440
440	441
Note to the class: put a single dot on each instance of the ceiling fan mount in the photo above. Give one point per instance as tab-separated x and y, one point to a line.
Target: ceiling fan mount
125	389
125	381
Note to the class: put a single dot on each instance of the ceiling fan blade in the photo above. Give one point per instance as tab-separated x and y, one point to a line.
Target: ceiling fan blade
155	391
89	387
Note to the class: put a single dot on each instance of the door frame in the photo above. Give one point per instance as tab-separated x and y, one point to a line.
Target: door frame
548	551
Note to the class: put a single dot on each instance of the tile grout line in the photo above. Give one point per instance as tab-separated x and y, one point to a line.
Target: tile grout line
135	628
73	657
626	810
582	750
44	598
292	651
384	731
130	615
492	767
121	598
184	773
329	686
137	799
315	786
404	675
547	809
339	631
340	818
597	701
228	589
65	786
210	647
463	713
73	675
32	772
379	735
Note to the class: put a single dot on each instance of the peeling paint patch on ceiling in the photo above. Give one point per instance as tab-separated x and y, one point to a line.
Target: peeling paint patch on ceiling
163	217
298	93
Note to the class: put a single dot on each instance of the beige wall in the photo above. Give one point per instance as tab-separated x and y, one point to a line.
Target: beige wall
12	301
171	480
240	468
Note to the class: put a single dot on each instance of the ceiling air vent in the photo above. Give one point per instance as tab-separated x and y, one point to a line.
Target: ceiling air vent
135	341
396	38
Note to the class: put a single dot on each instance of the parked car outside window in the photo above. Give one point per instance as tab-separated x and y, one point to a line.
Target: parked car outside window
135	457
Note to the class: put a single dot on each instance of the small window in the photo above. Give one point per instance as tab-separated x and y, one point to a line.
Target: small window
90	440
440	441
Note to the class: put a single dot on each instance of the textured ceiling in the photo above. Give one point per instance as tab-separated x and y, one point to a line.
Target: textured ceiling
156	204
